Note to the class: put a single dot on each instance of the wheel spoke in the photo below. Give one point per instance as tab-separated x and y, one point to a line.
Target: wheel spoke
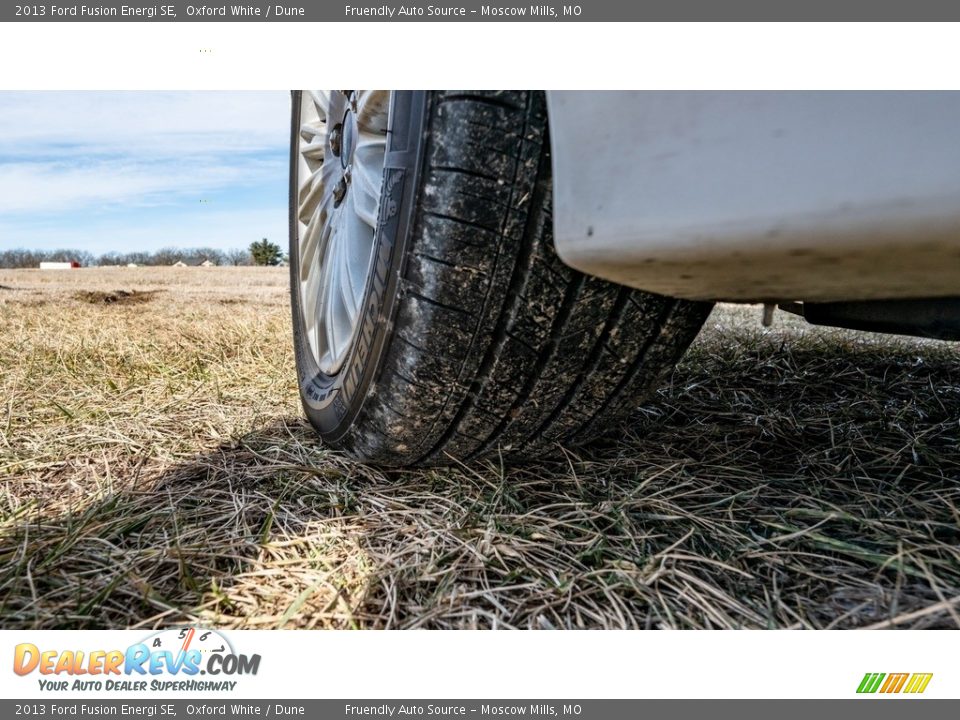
309	238
370	147
352	257
320	101
315	149
356	257
311	130
372	110
345	287
311	294
368	176
311	193
327	316
366	205
314	216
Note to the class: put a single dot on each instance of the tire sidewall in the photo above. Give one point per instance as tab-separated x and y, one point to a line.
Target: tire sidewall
332	402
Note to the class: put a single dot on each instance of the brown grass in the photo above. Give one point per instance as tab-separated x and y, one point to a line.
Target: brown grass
155	469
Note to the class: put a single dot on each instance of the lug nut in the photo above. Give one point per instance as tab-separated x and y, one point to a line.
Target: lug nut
339	192
336	139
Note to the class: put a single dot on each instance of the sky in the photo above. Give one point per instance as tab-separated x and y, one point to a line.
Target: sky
125	171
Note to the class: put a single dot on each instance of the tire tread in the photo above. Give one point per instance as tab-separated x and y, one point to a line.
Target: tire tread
497	345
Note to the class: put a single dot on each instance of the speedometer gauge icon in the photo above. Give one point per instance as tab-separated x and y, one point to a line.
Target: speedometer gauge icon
181	640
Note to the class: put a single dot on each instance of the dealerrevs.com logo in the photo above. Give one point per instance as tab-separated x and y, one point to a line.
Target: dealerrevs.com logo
169	660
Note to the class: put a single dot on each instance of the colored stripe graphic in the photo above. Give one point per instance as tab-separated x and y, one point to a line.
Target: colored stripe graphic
918	682
894	683
870	682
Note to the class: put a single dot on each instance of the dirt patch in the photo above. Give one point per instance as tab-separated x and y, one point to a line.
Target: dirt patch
116	297
5	287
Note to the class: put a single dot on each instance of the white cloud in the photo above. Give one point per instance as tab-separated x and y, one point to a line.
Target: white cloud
144	124
77	151
55	187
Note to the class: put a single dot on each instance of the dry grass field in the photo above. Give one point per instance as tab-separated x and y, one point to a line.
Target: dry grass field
155	469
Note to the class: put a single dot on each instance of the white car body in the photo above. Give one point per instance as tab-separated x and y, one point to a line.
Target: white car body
760	196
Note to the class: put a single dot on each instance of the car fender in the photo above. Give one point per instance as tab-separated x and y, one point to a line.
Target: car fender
760	195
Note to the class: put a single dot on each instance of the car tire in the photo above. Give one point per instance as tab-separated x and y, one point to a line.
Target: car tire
470	336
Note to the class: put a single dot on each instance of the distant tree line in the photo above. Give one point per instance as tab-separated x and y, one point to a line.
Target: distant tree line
259	253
